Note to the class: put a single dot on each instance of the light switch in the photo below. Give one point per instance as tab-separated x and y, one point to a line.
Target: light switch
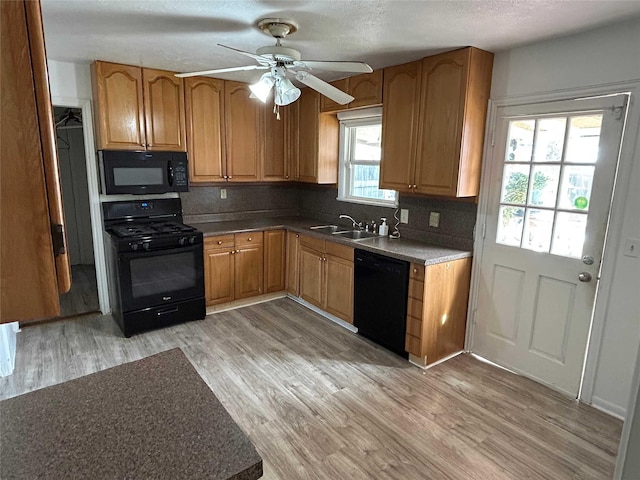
223	193
404	215
434	219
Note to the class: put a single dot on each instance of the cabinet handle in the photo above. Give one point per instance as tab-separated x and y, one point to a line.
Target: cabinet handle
297	236
415	186
286	176
415	270
249	239
229	177
410	186
219	242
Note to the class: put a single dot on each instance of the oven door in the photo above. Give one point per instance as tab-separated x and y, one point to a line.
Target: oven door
160	277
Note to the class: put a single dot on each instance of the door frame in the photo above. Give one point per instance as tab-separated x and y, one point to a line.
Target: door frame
614	228
95	207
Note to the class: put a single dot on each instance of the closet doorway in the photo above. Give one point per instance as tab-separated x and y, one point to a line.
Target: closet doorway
83	296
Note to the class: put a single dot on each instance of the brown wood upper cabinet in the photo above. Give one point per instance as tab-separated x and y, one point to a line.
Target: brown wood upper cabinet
242	127
317	134
444	114
366	89
138	108
275	139
204	101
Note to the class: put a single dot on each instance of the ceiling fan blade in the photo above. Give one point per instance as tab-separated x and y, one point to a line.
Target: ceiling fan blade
223	70
324	88
262	60
352	67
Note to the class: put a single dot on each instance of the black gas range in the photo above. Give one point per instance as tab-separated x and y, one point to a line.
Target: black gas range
156	265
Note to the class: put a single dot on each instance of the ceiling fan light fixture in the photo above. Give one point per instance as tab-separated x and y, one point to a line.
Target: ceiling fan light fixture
262	88
286	92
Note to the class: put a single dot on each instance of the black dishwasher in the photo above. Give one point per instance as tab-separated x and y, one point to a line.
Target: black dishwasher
380	299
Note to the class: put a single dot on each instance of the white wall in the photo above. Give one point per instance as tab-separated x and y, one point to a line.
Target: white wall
70	80
606	55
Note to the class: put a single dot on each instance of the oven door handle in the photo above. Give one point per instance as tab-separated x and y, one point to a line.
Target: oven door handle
166	312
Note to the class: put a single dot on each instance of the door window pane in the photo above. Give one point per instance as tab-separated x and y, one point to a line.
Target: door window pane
550	140
537	230
510	226
515	183
584	139
544	187
569	233
520	141
575	191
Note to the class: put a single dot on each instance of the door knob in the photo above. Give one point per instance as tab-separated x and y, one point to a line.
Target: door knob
587	260
584	277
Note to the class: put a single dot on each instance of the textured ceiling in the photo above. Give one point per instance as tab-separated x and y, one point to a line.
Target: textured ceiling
182	35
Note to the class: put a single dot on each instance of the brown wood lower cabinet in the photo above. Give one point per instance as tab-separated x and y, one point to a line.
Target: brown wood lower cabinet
437	309
274	260
293	263
234	267
326	276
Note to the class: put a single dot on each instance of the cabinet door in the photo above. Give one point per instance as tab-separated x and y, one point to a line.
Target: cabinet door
401	92
274	158
292	120
164	110
118	102
446	297
311	276
242	123
28	286
328	105
293	263
455	91
366	89
249	271
204	99
339	287
309	109
274	261
219	275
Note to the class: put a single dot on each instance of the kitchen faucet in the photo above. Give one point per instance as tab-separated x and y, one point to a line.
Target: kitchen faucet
356	225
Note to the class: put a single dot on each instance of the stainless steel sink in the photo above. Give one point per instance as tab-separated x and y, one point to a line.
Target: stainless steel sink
355	234
328	229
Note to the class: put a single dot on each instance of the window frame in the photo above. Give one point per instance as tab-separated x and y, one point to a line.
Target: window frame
348	120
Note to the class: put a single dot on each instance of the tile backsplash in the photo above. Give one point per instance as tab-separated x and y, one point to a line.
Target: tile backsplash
457	217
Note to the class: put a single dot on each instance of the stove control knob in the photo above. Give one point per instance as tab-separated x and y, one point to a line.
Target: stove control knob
145	245
134	246
192	240
182	240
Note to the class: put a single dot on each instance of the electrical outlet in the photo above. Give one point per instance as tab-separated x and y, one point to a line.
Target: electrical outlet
632	247
404	215
434	219
223	193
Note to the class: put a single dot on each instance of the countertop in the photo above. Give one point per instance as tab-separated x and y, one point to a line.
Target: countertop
402	249
152	418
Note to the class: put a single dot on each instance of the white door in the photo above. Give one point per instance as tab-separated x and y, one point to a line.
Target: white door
551	181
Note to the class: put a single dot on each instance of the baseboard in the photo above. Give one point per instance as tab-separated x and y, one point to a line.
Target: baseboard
245	302
608	407
326	315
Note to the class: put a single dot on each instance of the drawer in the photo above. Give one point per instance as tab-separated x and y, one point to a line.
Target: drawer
414	327
314	243
221	241
413	345
416	289
414	308
338	250
417	272
249	238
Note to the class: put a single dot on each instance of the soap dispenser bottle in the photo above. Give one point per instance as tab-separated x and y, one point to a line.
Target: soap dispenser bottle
383	230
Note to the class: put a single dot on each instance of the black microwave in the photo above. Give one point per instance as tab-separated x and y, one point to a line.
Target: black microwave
140	173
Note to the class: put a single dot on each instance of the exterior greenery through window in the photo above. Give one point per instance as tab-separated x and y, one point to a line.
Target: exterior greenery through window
360	153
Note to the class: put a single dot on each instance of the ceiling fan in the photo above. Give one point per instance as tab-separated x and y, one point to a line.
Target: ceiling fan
283	62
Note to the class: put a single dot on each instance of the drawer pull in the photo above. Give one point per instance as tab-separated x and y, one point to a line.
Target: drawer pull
249	239
219	242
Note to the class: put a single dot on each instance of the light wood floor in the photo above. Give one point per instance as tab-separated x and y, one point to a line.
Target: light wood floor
321	403
83	296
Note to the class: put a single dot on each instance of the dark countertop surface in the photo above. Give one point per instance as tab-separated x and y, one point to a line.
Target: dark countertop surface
402	249
153	418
